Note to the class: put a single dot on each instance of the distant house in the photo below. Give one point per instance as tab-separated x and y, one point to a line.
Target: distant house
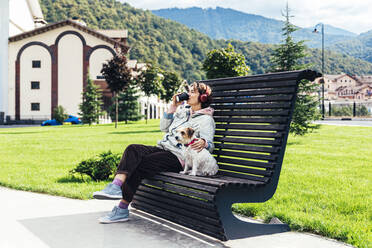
344	86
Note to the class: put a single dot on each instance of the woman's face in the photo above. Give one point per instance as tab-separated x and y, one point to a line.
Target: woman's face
193	96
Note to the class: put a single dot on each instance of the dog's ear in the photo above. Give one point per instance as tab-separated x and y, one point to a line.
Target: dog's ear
190	132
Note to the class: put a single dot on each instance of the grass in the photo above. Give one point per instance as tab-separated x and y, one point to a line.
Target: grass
325	184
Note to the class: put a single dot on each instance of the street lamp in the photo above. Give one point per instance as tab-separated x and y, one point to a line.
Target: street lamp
316	31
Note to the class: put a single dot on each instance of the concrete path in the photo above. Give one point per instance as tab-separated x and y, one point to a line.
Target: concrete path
39	220
356	122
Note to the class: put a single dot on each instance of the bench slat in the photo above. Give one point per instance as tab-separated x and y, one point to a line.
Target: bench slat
244	176
192	185
255	78
197	209
178	210
246	148
269	165
275	105
249	134
273	127
247	155
181	190
244	85
187	222
247	141
217	178
179	198
252	113
201	180
245	170
254	92
251	120
253	99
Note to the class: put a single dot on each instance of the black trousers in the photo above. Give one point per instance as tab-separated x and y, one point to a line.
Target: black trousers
140	161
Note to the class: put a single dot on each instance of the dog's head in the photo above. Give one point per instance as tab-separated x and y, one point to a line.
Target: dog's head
185	135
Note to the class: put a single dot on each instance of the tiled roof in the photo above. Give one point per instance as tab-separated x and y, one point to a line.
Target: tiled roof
52	26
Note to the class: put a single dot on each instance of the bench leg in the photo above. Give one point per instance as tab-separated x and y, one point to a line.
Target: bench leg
235	228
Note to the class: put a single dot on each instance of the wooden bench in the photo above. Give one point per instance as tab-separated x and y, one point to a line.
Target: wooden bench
252	116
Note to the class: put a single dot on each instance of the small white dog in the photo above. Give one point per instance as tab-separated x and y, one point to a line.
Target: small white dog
201	163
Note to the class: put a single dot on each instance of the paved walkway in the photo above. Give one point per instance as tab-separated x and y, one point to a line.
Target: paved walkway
356	122
39	220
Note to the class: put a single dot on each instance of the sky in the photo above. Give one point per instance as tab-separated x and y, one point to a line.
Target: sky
352	15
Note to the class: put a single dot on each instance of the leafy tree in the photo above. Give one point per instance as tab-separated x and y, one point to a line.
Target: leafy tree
225	62
150	82
286	58
171	83
129	109
90	108
59	114
118	76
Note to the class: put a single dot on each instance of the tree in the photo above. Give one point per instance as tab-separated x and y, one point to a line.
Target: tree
286	58
128	105
150	82
90	108
117	75
225	62
171	83
59	114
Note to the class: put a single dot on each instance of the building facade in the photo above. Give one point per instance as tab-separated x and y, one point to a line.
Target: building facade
49	66
347	87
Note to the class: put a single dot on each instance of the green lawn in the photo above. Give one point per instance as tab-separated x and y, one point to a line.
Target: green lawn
325	185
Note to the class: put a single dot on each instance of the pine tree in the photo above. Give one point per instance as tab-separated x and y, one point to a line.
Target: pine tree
129	109
286	58
90	108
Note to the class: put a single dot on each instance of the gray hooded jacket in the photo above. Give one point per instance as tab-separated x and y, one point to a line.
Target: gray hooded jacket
201	121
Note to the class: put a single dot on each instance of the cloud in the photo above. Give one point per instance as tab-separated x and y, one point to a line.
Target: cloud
350	15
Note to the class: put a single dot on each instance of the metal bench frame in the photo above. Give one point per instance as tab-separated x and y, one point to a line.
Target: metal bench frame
261	108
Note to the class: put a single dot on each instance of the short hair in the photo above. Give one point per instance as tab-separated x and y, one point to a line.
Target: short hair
203	89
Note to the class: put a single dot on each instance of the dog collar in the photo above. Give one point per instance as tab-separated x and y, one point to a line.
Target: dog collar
192	142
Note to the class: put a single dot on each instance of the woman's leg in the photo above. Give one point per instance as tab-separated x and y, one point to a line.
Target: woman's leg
131	158
149	165
161	161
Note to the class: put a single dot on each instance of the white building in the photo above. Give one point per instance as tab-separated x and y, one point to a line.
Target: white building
47	65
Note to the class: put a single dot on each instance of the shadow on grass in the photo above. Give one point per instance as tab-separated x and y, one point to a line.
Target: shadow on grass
291	143
85	179
18	133
136	132
72	179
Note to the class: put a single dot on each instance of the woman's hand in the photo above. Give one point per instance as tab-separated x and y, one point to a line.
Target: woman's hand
198	145
174	105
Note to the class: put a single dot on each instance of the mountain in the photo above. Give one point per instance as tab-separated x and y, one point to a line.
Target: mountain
359	47
222	23
174	46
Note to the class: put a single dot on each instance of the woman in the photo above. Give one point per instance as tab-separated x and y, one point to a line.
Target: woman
140	161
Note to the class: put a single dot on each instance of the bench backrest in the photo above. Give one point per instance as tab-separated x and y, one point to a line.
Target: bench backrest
253	116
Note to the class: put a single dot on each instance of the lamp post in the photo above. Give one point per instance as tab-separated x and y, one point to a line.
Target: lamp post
316	31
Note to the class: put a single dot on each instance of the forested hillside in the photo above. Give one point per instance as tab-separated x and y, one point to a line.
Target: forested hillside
174	46
359	47
223	23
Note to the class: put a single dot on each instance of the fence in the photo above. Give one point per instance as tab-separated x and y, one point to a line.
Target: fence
348	109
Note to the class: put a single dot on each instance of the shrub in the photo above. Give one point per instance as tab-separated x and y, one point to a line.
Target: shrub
59	114
100	168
